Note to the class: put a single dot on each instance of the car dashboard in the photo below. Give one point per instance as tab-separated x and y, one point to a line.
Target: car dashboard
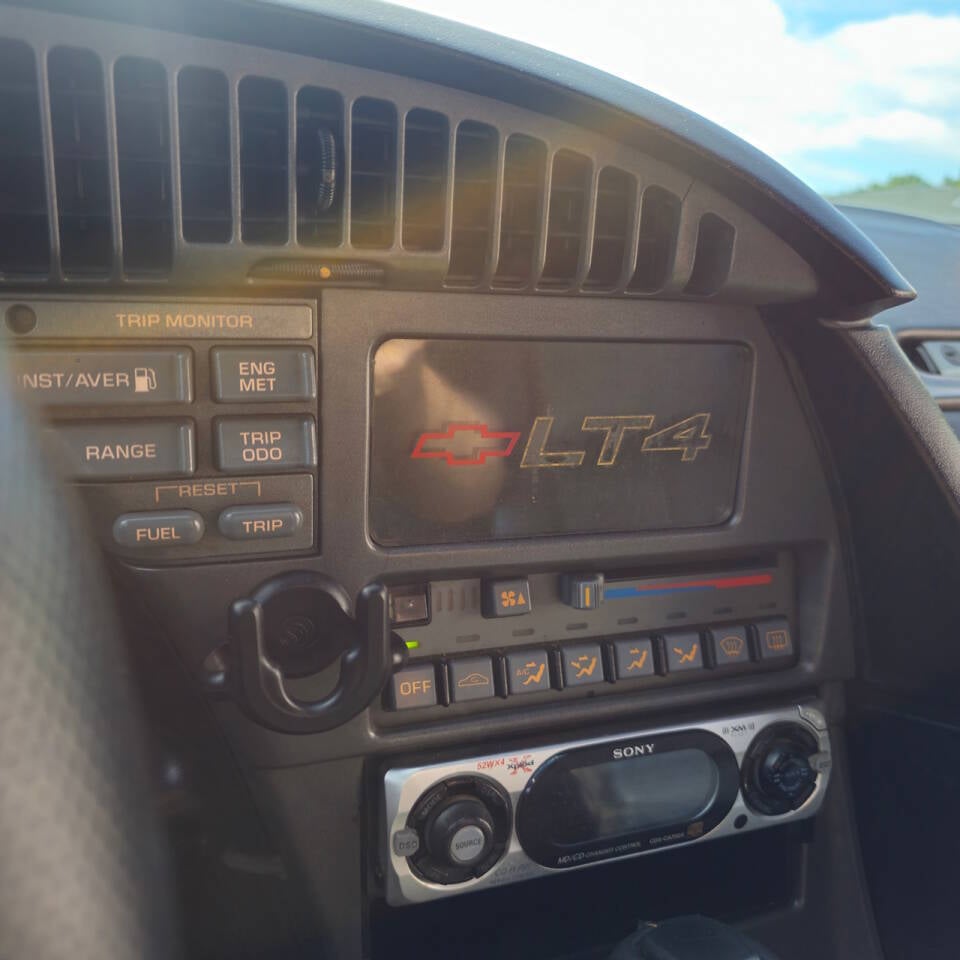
468	439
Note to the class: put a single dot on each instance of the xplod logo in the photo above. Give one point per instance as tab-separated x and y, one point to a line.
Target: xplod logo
474	444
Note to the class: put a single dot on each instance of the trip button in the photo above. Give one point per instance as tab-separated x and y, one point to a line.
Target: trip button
415	687
774	639
121	450
730	645
528	672
471	679
684	651
263	374
265	522
265	444
171	528
634	658
582	665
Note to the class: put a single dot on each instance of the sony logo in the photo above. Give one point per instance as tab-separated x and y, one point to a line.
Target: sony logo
634	750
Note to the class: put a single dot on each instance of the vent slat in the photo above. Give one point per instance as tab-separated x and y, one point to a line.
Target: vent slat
567	219
24	224
521	210
79	123
320	161
474	202
427	136
264	161
373	180
616	195
143	150
203	101
657	245
713	256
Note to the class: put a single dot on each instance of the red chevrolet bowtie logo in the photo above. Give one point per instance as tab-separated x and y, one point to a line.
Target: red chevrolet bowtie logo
465	445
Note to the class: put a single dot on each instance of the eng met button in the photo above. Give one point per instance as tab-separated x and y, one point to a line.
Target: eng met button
120	450
265	444
263	373
169	528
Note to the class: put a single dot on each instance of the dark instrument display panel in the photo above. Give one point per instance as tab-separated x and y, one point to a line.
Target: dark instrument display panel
500	439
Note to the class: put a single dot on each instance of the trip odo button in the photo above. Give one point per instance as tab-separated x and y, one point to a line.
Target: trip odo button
265	444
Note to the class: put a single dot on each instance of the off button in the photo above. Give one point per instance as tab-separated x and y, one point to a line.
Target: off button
265	444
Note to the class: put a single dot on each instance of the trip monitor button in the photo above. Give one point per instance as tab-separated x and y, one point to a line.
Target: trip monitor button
170	528
264	522
263	374
265	444
75	378
123	450
471	679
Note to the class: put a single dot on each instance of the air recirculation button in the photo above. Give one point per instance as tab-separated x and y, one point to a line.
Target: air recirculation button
463	825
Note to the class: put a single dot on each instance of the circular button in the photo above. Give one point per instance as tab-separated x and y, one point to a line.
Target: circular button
777	774
21	318
468	845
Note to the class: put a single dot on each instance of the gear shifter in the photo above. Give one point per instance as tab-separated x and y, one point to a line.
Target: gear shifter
689	938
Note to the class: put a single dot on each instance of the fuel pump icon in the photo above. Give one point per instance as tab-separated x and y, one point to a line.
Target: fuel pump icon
144	379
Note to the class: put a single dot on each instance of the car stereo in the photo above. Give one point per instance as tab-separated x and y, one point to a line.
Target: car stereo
486	821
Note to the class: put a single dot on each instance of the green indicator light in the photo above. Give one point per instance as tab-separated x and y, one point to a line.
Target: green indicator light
412	644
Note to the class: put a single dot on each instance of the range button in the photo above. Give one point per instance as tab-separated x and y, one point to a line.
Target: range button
262	522
263	373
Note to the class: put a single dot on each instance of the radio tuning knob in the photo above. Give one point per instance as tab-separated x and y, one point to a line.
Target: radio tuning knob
461	833
780	769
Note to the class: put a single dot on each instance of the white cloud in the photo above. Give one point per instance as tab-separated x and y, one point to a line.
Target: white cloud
894	80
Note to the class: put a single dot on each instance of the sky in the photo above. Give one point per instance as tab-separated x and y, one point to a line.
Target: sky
841	92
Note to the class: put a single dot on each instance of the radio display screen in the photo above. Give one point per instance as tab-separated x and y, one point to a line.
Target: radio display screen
605	800
476	440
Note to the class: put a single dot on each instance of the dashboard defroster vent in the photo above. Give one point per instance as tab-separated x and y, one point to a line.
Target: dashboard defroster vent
24	228
474	200
320	161
713	257
374	173
616	197
264	161
143	148
79	126
522	210
567	222
203	102
426	143
657	245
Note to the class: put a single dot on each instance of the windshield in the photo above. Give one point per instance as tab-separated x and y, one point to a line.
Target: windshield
859	98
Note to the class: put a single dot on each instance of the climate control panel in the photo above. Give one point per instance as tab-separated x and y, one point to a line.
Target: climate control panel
482	643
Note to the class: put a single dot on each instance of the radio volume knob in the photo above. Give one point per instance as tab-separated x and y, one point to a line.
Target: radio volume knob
777	774
463	825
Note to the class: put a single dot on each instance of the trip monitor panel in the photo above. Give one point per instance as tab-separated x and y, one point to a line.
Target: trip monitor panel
499	439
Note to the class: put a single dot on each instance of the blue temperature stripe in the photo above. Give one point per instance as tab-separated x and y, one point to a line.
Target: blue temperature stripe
618	593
